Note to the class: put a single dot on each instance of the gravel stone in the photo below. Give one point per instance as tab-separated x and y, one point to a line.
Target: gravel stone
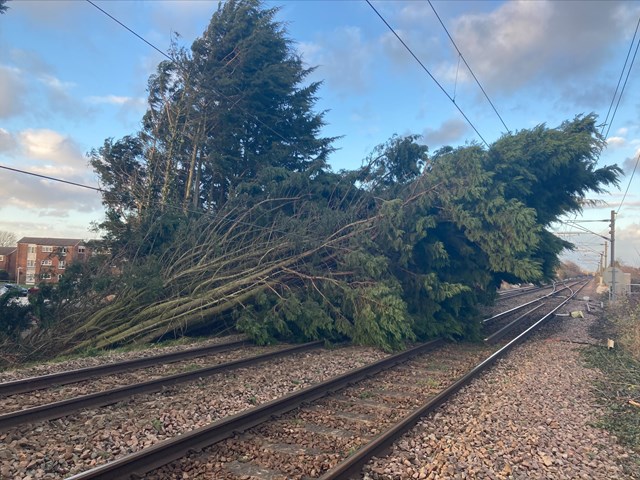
530	417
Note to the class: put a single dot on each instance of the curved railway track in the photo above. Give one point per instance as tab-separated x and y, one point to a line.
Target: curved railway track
347	398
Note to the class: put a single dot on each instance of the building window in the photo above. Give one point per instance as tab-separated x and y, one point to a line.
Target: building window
46	263
30	278
81	249
31	249
60	264
59	276
47	248
63	251
31	263
45	276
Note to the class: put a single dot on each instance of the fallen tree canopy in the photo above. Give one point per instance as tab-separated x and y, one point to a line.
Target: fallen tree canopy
398	250
222	212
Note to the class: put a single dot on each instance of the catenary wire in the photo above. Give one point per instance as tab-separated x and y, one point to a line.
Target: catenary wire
427	71
46	177
629	184
468	66
254	117
127	28
157	202
613	115
624	67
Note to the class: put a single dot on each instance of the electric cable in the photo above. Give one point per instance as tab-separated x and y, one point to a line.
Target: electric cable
468	66
629	184
426	70
173	207
615	93
623	86
54	179
254	117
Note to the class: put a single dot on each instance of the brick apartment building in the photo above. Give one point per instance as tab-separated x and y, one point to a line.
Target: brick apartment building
7	261
45	259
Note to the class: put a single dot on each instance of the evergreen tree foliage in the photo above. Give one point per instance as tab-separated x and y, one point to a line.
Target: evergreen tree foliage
222	212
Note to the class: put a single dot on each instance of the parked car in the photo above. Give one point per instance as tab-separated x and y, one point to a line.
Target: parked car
10	286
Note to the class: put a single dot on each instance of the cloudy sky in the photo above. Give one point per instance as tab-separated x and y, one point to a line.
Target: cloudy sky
71	77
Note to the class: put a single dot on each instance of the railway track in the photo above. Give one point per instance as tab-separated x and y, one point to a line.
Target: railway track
31	384
108	397
355	404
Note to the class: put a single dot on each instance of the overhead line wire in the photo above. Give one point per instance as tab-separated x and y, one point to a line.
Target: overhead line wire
130	30
624	67
54	179
624	84
157	202
468	66
629	184
426	70
254	117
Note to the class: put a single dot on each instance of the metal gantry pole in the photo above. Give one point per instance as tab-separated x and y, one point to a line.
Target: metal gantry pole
612	232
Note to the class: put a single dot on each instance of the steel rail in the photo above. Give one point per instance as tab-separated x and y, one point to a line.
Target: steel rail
160	454
108	397
504	330
381	444
520	307
72	376
520	292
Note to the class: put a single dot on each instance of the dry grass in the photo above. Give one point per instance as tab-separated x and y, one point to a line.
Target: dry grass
618	391
625	314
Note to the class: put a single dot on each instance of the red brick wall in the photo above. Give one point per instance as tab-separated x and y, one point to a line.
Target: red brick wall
8	263
55	257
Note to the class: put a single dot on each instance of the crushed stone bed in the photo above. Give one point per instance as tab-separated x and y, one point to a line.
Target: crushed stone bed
41	397
529	417
59	448
105	357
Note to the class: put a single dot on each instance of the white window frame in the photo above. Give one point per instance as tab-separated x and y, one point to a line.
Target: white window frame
46	263
47	249
81	249
61	264
45	276
59	276
31	249
31	263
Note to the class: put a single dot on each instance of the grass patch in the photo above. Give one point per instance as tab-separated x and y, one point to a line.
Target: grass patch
619	387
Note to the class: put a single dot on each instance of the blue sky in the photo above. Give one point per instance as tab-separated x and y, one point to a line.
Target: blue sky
71	77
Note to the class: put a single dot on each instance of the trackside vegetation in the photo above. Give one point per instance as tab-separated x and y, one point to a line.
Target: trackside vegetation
618	388
222	212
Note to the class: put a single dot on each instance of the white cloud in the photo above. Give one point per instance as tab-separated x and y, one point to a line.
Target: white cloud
12	91
53	147
523	43
630	163
7	141
616	142
55	155
113	99
628	244
448	132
